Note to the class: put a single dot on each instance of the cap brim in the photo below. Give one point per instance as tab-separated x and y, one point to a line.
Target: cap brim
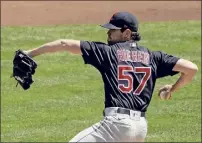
109	26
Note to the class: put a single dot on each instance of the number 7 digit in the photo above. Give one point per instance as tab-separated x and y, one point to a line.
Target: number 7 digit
147	74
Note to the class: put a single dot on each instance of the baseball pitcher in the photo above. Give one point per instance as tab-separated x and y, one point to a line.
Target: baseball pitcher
129	72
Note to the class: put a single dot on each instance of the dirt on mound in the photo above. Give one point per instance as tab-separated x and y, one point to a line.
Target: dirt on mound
94	12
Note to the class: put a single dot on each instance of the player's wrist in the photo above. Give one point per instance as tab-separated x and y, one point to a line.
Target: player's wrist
172	89
28	53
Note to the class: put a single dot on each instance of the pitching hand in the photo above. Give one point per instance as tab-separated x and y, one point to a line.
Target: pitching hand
165	92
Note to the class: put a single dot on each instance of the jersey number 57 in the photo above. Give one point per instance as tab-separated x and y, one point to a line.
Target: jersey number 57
123	74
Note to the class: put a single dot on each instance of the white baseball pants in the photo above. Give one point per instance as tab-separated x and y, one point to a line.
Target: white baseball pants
115	127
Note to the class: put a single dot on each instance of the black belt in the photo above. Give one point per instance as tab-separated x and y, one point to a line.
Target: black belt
126	111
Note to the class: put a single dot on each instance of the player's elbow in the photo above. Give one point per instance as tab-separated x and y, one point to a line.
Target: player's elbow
64	43
190	72
193	69
186	67
72	46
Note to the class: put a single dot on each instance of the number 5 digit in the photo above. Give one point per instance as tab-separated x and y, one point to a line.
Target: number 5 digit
125	76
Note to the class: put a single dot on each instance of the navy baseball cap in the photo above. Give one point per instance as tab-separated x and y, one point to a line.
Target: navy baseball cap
122	20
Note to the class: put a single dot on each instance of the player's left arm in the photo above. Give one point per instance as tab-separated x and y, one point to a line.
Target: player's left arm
60	45
93	53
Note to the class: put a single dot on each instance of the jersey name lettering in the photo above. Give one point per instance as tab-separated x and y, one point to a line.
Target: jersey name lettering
133	56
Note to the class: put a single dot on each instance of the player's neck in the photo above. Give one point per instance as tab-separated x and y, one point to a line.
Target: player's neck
115	42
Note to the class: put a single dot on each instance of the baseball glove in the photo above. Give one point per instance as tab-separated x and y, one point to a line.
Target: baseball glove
23	69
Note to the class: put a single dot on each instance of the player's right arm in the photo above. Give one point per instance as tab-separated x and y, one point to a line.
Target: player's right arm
187	70
171	65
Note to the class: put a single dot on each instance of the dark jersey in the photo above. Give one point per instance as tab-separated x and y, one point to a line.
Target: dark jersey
129	71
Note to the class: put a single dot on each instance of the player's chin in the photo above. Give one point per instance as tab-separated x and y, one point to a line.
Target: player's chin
109	39
110	42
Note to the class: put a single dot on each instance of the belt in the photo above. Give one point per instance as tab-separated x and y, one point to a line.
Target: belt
113	110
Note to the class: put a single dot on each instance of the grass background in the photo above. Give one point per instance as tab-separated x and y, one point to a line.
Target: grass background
67	96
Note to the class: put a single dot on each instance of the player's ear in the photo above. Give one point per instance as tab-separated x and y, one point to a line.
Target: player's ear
127	34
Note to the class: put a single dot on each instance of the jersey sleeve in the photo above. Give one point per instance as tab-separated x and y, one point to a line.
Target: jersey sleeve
94	53
164	64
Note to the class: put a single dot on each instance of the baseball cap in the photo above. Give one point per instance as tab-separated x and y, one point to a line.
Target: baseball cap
122	20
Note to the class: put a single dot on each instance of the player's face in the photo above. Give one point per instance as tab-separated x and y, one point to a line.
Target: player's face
114	35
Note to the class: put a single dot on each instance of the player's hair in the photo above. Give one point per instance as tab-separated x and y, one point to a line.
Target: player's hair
135	36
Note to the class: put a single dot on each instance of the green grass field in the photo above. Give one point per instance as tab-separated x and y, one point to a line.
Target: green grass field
67	96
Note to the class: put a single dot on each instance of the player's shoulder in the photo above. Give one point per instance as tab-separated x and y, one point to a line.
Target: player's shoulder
158	54
94	42
143	48
97	42
101	44
152	53
93	45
